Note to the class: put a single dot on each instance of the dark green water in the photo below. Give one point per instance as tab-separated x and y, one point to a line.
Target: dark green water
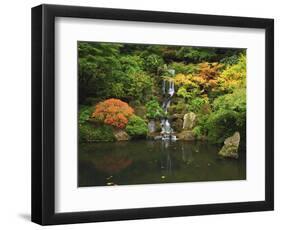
149	162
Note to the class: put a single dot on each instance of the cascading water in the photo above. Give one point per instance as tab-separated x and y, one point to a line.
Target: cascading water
168	90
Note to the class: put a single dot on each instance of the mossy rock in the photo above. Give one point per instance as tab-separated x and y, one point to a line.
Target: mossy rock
230	151
231	145
121	135
189	121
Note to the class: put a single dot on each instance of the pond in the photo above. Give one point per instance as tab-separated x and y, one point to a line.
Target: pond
150	162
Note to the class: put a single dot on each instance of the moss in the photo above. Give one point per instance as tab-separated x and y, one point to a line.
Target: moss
91	133
229	151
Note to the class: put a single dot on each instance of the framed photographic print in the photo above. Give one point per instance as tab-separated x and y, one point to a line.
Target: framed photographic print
141	114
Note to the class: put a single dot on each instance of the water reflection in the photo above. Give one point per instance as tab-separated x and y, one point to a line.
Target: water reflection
147	162
111	163
187	156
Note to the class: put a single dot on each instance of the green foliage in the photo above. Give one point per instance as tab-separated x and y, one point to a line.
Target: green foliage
178	106
198	131
232	60
90	133
221	124
234	76
235	101
188	95
104	72
183	68
116	90
196	54
136	127
139	87
152	63
154	110
98	66
84	114
229	115
211	82
198	105
131	64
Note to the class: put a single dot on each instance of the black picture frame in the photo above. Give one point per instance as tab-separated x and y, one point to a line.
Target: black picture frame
43	110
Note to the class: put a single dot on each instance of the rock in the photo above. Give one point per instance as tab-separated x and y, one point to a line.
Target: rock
231	145
154	127
176	122
121	135
176	116
158	126
189	121
186	135
151	126
158	138
177	125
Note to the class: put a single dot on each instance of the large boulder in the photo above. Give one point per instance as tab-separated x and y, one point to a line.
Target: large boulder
189	121
154	126
231	145
186	135
121	135
151	126
177	122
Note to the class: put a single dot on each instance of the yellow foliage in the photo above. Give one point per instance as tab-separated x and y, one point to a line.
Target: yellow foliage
234	76
186	80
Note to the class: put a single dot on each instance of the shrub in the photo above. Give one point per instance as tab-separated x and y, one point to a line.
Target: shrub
178	106
229	115
234	76
208	75
136	127
200	129
89	133
131	63
197	131
230	60
84	114
199	105
196	54
113	112
182	68
234	101
221	124
154	110
185	80
152	63
139	87
202	83
188	95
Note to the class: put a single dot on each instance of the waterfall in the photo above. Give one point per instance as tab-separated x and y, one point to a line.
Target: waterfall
167	94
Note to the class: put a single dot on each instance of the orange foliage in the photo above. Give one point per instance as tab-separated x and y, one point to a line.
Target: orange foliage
113	112
208	75
206	79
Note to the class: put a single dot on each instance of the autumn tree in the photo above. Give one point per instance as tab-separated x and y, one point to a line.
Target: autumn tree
113	112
